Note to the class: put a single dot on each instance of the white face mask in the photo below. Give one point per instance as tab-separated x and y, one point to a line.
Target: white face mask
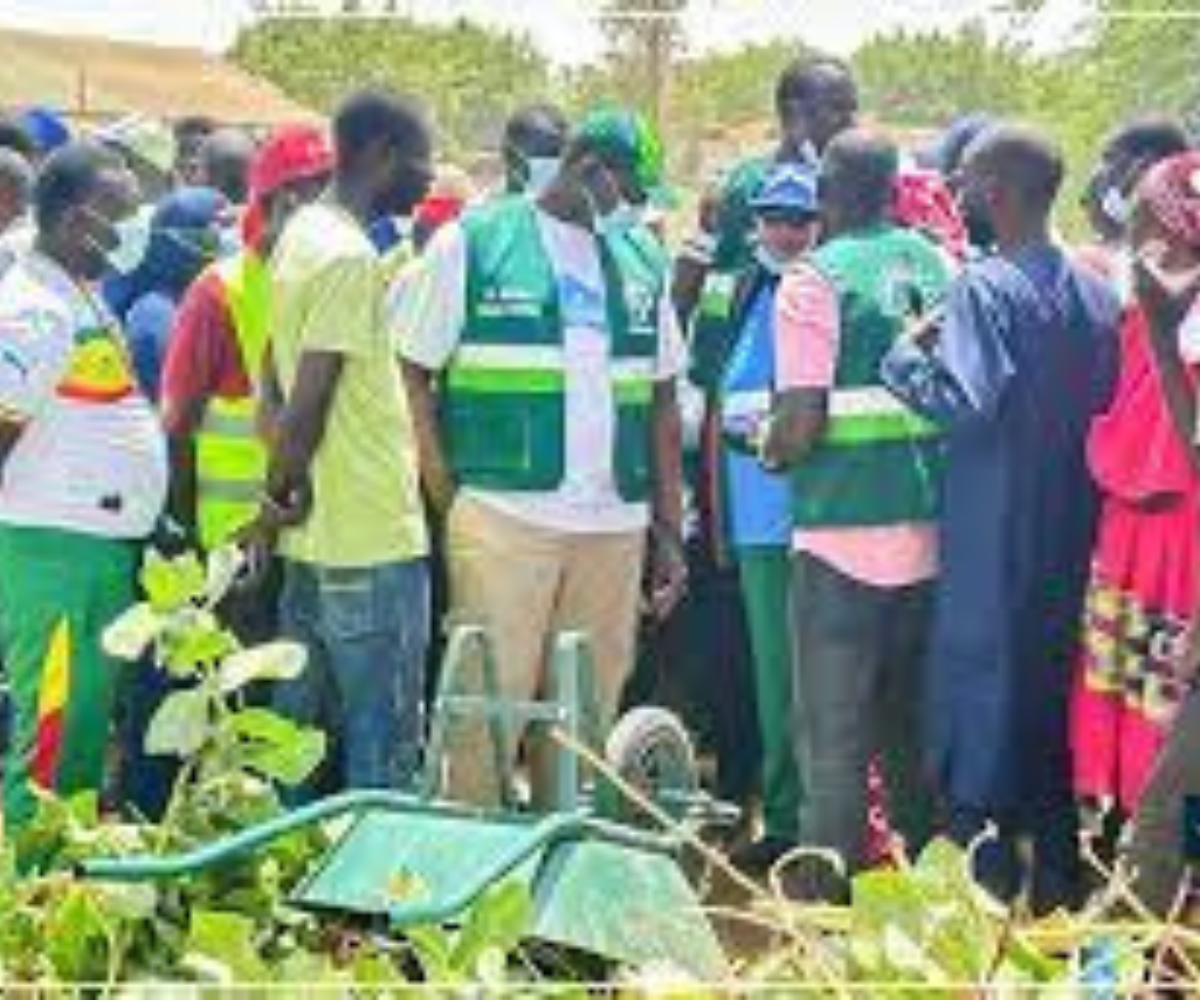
1116	206
770	261
133	240
541	170
621	220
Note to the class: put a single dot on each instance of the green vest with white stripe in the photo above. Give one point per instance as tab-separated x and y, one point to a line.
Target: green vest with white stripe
879	463
503	400
231	460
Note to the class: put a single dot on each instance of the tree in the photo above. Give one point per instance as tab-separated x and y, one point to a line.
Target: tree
925	79
470	77
644	37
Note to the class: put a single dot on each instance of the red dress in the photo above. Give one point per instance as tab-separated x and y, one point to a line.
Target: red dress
1142	595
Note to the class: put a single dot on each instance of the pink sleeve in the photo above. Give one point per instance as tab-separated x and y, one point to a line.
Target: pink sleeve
807	329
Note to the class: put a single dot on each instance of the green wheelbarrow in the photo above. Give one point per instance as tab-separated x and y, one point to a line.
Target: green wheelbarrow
602	881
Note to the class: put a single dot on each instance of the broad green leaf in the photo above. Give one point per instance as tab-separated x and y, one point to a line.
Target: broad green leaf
375	970
83	808
130	901
906	957
434	948
132	633
278	748
491	968
171	583
500	919
275	661
197	641
228	938
181	725
77	935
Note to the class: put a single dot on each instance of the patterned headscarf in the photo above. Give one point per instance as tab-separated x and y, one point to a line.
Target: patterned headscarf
1171	191
922	200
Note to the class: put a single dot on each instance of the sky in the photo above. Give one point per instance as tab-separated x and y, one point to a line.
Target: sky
565	29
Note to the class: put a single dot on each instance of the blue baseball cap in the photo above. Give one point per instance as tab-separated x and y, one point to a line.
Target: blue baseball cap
46	128
790	189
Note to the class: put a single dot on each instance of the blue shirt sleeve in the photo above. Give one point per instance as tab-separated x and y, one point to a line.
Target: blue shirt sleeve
964	377
147	328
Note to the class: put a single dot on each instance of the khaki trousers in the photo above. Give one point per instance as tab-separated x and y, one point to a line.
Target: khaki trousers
525	585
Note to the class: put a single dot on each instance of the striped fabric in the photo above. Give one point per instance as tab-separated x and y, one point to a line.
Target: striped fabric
53	696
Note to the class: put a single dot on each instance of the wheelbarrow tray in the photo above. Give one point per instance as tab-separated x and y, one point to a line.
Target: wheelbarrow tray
596	887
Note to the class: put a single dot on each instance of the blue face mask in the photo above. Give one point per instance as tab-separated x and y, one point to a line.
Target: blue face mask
541	170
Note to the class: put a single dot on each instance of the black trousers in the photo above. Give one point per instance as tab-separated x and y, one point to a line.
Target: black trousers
858	658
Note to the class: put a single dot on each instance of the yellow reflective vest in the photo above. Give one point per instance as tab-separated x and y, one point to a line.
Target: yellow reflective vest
231	460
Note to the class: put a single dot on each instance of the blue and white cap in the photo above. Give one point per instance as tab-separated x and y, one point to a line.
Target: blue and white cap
790	189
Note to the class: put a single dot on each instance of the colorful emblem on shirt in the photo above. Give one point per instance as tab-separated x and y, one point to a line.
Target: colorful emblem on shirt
99	370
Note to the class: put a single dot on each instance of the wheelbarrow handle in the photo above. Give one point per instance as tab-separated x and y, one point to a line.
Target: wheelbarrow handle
146	868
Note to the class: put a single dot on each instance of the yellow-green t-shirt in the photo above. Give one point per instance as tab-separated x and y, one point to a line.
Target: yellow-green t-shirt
327	296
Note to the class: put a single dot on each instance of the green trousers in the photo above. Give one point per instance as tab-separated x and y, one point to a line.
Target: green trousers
59	590
765	574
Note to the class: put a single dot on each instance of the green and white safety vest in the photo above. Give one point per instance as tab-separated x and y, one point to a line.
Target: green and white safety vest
879	463
503	400
231	460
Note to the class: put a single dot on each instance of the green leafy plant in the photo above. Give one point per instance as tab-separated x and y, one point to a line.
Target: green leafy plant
229	925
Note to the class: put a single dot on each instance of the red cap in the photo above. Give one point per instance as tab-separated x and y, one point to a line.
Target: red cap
292	153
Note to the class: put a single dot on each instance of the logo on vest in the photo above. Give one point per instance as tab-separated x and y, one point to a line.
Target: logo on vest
501	301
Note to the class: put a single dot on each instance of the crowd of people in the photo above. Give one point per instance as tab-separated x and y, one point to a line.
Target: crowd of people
887	486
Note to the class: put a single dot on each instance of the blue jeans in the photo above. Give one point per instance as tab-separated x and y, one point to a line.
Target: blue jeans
366	631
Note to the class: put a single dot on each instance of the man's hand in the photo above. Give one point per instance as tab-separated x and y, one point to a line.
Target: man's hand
287	505
257	542
668	574
925	330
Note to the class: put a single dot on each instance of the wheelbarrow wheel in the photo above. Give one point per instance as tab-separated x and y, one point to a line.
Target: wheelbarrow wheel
651	751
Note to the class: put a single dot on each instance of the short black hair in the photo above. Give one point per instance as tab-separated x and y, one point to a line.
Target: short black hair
1150	139
69	177
1023	160
537	130
859	169
225	160
193	128
804	78
372	115
14	136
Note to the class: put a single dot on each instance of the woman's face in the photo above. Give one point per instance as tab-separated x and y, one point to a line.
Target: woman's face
786	238
1148	236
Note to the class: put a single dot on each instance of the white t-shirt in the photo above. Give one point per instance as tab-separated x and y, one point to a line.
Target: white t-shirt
429	318
91	456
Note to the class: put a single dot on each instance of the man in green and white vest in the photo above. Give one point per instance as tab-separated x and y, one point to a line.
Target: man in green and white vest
866	474
541	353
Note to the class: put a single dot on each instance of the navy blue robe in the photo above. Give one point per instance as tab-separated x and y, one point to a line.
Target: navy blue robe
1027	356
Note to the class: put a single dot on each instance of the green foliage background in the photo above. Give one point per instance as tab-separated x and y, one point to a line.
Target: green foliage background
470	77
1129	57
